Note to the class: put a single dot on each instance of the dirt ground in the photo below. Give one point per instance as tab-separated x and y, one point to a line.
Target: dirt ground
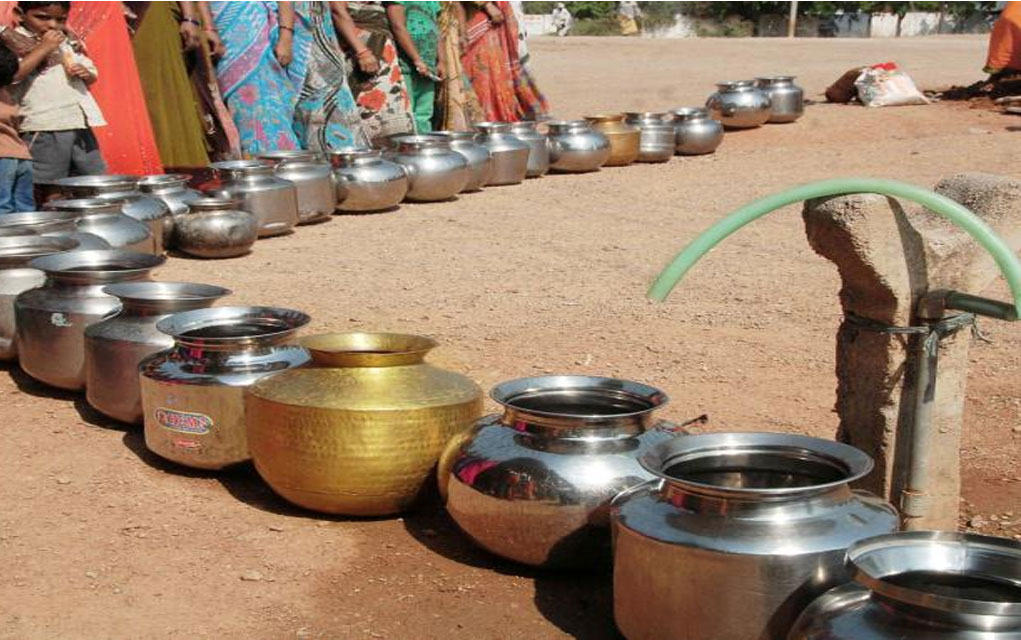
100	539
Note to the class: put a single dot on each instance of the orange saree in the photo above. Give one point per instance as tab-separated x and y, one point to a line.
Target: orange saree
127	142
1005	41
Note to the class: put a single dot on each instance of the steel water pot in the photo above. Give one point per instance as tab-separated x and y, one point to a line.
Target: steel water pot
171	189
922	584
105	219
272	200
696	132
51	319
53	224
435	171
739	105
193	394
625	139
146	208
534	484
787	100
538	147
575	147
480	162
738	534
215	228
16	277
510	155
115	346
313	179
359	431
657	135
369	182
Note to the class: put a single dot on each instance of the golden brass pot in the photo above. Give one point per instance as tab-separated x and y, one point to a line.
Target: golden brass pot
625	139
359	431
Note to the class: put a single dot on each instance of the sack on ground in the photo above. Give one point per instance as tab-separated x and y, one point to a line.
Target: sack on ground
885	85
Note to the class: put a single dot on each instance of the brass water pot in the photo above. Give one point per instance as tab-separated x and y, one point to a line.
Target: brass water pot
359	431
625	139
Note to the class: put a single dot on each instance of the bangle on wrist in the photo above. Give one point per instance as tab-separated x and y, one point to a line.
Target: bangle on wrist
363	52
284	26
192	21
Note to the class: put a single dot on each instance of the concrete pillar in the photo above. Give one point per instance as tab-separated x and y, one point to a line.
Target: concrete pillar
888	257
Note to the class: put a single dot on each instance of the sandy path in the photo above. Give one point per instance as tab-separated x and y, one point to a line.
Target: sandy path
100	539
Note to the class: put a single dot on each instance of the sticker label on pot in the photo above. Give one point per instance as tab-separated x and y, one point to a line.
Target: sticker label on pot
59	320
184	421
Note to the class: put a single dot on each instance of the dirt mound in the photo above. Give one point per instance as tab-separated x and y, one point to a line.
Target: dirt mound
986	90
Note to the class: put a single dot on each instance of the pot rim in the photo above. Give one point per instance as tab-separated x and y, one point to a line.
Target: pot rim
492	126
21	249
281	155
103	180
122	262
156	292
773	79
29	219
87	206
279	323
459	136
880	557
563	124
367	349
506	393
209	202
690	113
605	117
158	180
852	463
641	115
411	142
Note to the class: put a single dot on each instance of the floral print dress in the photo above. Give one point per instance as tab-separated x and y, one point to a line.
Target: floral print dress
381	98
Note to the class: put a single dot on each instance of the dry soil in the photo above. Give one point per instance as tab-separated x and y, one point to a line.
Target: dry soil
100	539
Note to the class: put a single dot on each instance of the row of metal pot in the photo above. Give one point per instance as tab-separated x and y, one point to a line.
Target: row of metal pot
745	104
355	424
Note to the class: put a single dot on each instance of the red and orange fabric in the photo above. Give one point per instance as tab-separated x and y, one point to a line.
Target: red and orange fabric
492	62
1005	41
127	141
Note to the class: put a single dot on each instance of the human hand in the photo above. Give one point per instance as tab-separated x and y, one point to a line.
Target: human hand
284	51
80	71
367	62
494	13
214	40
190	36
51	40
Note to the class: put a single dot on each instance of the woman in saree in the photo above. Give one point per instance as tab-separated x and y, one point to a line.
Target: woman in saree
282	75
175	116
457	107
492	62
376	78
127	141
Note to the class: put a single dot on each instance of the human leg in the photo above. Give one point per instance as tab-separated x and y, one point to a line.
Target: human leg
24	187
86	160
51	153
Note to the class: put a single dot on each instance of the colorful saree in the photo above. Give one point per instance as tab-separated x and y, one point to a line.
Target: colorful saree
1005	41
492	62
326	116
260	93
382	98
174	114
127	141
457	107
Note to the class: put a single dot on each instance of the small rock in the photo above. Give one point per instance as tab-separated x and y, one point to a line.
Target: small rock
91	575
251	576
976	522
978	131
274	527
1017	429
63	480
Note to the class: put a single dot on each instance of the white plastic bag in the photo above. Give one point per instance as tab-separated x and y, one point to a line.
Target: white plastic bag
885	85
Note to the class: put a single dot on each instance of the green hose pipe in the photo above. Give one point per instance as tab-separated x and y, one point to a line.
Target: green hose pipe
959	215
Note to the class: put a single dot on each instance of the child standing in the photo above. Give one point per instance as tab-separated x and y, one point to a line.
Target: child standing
417	34
53	89
15	161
